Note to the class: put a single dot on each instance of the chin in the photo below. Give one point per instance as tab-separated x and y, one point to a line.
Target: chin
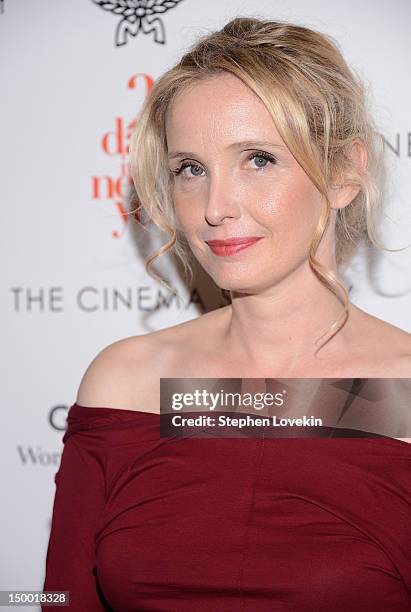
246	288
243	279
252	287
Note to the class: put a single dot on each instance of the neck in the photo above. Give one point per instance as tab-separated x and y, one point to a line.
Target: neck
277	329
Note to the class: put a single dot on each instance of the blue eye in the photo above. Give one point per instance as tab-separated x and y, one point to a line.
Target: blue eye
196	171
262	156
187	165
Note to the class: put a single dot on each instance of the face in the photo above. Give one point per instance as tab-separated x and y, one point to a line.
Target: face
234	177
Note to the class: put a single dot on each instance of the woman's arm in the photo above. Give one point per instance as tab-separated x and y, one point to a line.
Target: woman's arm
78	502
80	494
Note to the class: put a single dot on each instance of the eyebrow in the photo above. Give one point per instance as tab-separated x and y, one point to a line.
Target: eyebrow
234	145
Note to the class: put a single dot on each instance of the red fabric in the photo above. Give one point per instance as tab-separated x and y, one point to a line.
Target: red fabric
225	524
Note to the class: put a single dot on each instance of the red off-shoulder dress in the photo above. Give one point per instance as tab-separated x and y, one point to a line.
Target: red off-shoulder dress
227	524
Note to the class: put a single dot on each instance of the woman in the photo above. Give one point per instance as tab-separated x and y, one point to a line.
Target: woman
260	133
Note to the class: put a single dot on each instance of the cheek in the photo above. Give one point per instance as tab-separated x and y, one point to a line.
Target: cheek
286	206
292	208
186	214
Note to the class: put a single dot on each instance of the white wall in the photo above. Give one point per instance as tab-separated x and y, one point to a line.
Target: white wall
65	85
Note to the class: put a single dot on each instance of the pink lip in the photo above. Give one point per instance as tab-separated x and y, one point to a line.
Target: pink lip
230	246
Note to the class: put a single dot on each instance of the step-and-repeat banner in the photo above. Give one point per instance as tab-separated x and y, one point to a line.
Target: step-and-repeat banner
73	78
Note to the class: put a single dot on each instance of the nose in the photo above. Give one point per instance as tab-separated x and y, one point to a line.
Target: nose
222	202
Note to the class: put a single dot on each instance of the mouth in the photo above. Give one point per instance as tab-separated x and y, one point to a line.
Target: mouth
231	246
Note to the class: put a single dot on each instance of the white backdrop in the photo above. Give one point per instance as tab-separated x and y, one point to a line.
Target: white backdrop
69	94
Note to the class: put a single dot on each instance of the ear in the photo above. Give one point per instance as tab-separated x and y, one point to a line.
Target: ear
342	195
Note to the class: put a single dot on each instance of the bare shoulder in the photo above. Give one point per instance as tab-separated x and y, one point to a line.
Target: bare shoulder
391	346
386	347
126	374
119	373
396	345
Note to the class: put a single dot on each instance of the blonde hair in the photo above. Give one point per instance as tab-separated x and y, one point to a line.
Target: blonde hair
319	108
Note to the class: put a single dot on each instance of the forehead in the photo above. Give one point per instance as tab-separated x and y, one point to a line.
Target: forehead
219	107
